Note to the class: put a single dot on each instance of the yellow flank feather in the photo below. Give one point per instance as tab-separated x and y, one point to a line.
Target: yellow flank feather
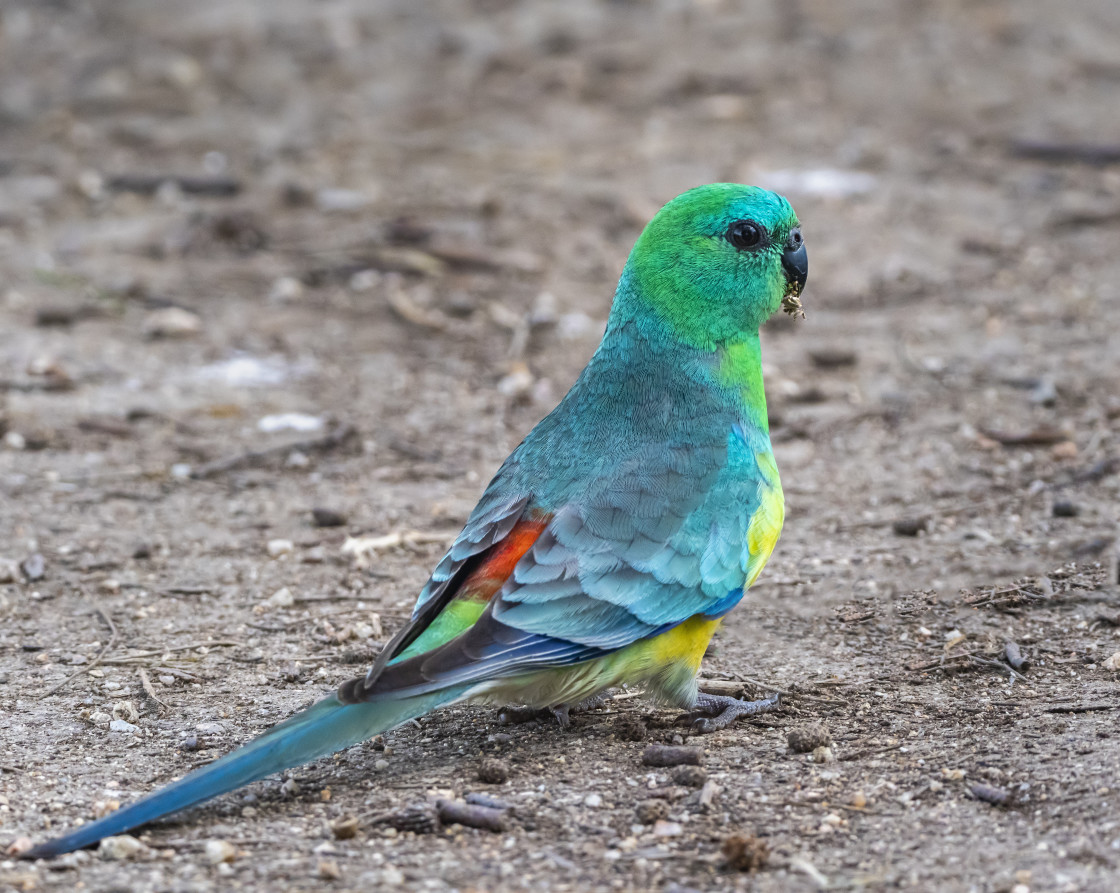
684	644
766	522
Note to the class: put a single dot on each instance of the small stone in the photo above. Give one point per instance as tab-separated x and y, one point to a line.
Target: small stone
806	739
708	794
1112	663
125	710
171	322
218	851
744	852
859	800
380	765
324	517
285	290
13	440
1063	508
329	870
9	570
908	526
120	848
823	754
34	567
190	743
289	788
650	811
664	828
281	598
141	551
493	771
120	725
832	357
279	547
1067	449
689	776
344	828
594	801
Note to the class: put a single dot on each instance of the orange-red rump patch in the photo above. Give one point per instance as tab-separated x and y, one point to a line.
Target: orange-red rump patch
488	577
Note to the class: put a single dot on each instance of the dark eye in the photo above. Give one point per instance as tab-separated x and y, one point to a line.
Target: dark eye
744	234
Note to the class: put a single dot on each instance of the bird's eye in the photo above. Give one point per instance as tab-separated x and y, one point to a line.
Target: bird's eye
795	239
744	234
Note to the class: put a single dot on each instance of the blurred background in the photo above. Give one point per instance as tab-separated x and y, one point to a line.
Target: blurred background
263	257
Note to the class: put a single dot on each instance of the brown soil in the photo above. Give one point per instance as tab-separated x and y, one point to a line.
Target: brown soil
406	220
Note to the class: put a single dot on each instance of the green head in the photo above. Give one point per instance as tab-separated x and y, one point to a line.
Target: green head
715	263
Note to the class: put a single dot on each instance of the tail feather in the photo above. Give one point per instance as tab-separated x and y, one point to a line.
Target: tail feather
323	728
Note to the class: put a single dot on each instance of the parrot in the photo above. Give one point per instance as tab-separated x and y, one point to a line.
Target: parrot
613	540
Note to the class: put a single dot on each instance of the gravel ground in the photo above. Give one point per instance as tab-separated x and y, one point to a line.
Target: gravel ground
258	259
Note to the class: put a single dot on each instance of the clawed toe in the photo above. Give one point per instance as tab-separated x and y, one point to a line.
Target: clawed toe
723	711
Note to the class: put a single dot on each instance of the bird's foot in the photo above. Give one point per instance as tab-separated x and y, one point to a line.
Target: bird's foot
562	712
722	711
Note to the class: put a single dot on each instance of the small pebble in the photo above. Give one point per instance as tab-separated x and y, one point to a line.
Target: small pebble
329	870
823	754
190	743
832	357
690	776
665	828
745	852
125	710
285	290
323	517
33	567
493	771
1112	663
9	570
650	811
593	800
141	551
218	851
120	725
120	848
279	547
708	794
908	526
344	828
859	800
1063	508
281	598
171	322
806	739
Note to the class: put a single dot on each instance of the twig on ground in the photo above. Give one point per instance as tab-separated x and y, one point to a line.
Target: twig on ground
100	655
146	683
333	439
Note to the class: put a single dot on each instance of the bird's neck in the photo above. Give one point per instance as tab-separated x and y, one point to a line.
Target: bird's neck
739	369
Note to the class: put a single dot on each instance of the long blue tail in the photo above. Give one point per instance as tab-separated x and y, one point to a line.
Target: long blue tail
321	729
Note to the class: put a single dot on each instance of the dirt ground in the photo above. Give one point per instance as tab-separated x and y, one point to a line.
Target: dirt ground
402	223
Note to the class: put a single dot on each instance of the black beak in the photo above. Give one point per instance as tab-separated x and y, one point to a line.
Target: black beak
796	264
